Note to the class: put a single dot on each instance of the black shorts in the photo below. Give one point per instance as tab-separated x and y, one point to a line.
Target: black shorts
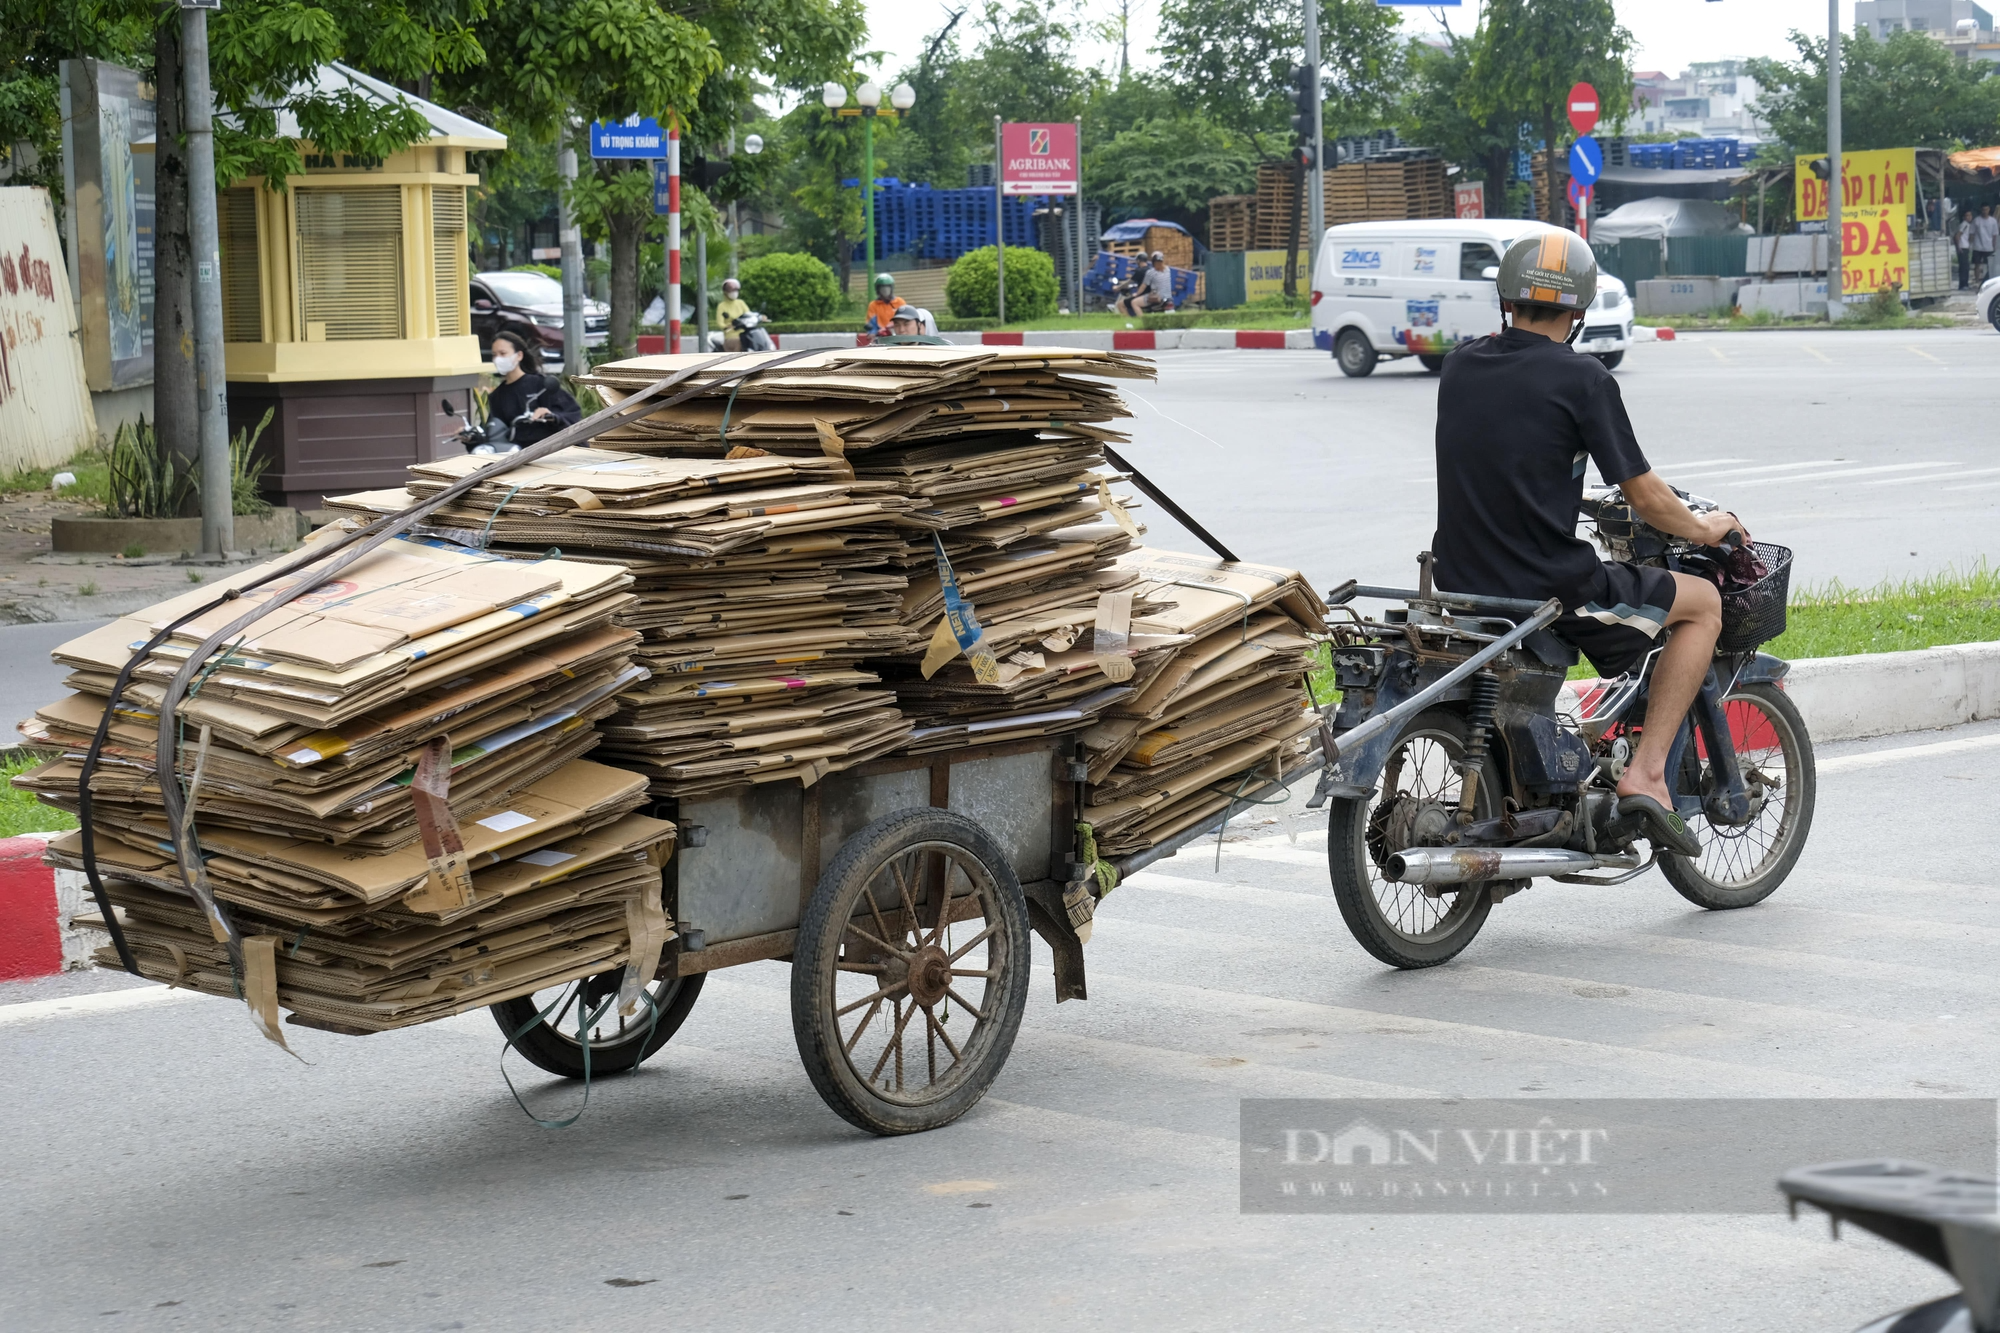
1624	608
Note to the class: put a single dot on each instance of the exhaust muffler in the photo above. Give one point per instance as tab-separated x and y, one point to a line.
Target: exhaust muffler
1471	865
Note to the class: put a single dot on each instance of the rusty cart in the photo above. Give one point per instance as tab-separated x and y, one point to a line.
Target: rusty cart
902	891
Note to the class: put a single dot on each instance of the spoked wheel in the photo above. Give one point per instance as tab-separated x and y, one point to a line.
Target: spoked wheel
1416	806
616	1044
1745	864
910	972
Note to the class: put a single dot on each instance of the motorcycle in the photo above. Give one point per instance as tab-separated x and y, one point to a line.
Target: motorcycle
1946	1217
1461	767
750	333
494	438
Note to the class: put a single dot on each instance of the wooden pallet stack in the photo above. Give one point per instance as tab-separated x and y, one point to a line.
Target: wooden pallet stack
1172	242
1232	222
1274	207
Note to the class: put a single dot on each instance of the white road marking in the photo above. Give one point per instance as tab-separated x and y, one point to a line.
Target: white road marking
1150	881
1848	763
1774	467
1922	353
1842	474
1814	351
1904	481
1697	462
97	1002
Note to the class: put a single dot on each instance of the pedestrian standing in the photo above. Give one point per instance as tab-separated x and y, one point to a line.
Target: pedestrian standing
1963	241
1985	239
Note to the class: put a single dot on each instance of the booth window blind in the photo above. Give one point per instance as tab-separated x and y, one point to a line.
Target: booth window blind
448	258
242	299
351	261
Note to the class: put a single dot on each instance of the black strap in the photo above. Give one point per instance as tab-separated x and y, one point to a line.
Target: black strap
1161	498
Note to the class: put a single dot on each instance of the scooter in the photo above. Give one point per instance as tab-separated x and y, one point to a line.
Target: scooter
1947	1217
750	334
494	438
1461	767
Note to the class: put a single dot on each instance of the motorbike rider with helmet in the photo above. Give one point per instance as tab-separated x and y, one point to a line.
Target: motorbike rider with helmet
1520	415
524	392
727	310
883	308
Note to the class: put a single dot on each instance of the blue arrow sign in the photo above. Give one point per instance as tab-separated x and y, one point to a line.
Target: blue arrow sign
1586	160
634	136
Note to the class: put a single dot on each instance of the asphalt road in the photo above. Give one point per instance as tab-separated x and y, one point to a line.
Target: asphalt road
28	679
167	1169
1871	454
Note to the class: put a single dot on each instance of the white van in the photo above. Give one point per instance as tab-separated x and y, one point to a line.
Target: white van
1419	288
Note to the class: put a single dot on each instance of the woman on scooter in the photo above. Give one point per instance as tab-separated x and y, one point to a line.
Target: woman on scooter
523	389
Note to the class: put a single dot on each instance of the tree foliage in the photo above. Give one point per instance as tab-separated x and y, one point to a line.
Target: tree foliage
1233	59
1905	90
972	289
1169	168
790	287
1528	54
1436	111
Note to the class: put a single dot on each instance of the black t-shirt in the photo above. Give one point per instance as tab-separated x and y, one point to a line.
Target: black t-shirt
524	395
1518	415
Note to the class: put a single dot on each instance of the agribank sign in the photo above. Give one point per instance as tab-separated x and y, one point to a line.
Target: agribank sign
1039	159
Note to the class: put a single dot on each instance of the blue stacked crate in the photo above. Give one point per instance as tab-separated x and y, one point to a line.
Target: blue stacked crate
1653	156
1707	154
943	224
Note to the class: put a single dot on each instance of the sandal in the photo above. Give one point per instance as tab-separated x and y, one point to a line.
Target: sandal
1665	827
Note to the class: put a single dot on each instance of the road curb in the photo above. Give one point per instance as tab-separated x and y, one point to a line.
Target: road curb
1882	694
1100	340
1842	698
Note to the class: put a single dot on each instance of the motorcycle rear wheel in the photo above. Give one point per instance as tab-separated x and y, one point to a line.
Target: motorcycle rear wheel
1744	865
1399	923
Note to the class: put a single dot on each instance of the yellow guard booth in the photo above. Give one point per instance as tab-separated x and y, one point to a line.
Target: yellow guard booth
345	305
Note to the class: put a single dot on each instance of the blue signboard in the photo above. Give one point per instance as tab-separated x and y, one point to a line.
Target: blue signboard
1586	160
634	136
660	188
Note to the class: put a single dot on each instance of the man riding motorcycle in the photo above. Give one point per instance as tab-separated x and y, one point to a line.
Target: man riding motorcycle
727	310
1519	416
882	310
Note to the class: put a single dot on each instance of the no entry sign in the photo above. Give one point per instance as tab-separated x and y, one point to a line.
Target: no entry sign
1038	159
1583	108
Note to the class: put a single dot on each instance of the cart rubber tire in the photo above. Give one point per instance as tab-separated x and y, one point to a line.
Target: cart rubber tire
559	1053
1696	880
1354	354
1610	360
1351	865
866	871
1433	364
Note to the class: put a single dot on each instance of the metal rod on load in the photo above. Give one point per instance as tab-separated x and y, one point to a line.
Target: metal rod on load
1473	601
356	546
1423	698
1164	501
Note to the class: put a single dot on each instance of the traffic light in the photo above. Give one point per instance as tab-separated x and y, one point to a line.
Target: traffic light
1305	100
705	173
1303	155
1821	168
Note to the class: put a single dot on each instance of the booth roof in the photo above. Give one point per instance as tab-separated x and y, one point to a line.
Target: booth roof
448	128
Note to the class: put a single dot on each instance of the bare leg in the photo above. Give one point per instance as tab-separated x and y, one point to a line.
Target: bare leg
1692	629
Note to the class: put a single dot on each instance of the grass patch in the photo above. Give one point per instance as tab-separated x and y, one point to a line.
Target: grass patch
1897	615
93	479
20	812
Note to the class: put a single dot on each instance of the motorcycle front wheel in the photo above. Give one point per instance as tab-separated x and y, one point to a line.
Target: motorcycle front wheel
1420	788
1746	863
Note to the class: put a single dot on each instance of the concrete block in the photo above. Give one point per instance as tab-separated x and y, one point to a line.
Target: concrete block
275	531
1793	297
1685	296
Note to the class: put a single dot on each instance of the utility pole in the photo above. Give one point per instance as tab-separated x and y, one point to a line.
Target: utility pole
735	226
575	357
218	526
1835	183
1000	222
1314	167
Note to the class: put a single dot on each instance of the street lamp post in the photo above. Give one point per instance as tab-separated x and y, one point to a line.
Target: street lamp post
868	99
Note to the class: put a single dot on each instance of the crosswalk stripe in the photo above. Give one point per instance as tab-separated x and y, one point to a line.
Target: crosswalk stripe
1904	481
1772	467
1848	763
96	1002
1149	881
1841	474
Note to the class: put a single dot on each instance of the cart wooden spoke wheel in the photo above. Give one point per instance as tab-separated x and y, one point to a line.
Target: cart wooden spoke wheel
911	972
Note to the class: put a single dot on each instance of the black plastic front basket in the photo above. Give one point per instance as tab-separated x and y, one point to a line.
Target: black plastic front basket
1756	614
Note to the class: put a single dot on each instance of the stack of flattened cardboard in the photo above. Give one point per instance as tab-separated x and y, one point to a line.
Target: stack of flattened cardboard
756	579
1225	715
386	774
868	397
986	456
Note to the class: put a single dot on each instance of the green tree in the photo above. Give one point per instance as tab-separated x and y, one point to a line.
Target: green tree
1527	55
1233	59
1902	91
1434	112
1169	168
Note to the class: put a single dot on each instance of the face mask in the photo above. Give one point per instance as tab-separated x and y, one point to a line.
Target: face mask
504	363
